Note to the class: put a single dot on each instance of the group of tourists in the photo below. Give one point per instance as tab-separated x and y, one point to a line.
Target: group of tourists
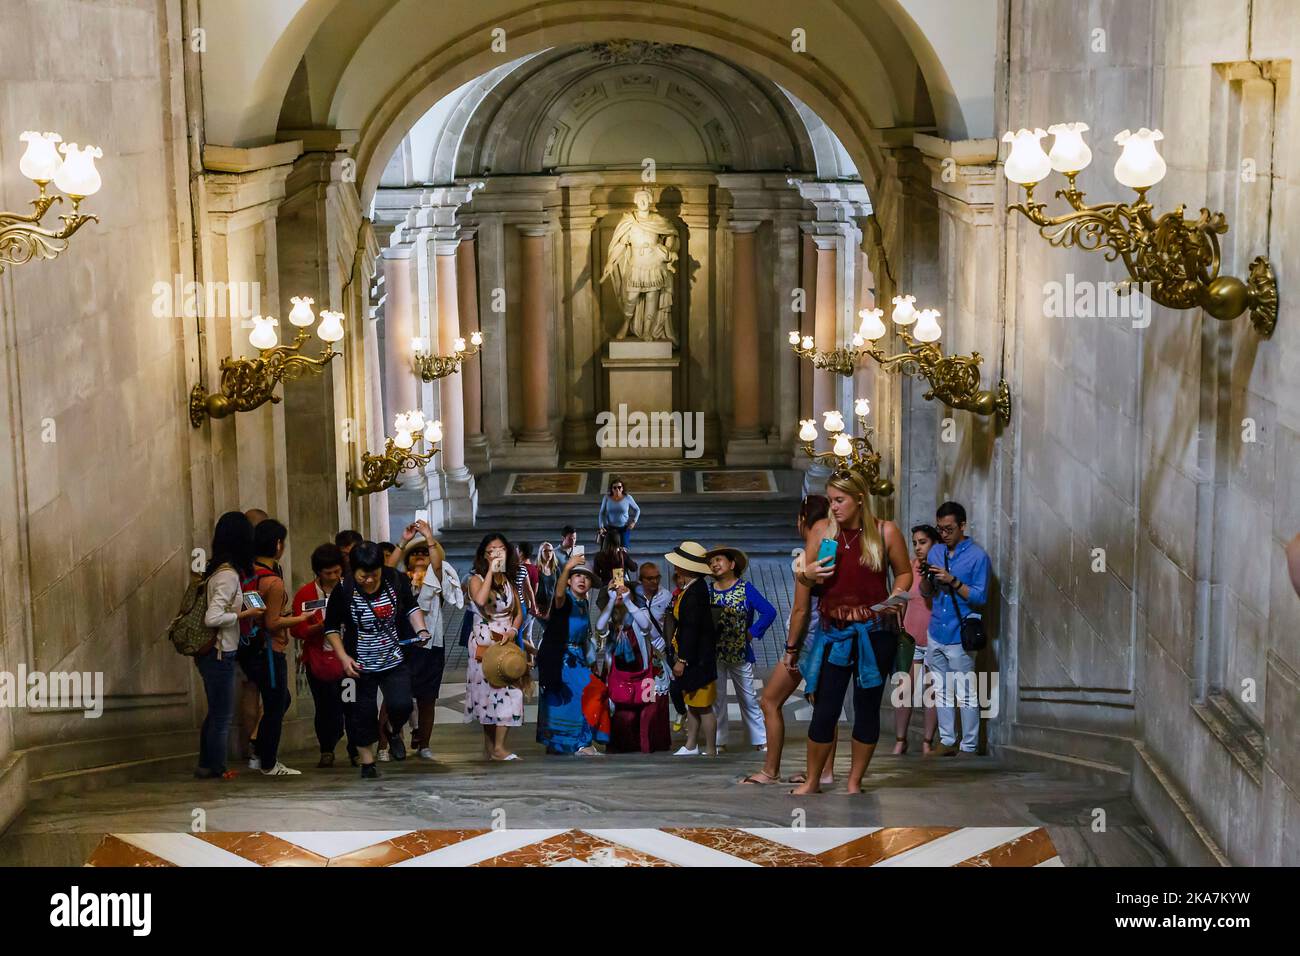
617	659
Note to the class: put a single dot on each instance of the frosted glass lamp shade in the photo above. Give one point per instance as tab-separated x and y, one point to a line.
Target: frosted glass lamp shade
794	338
1139	166
263	335
40	162
301	314
927	326
1070	154
1027	163
872	327
862	408
331	326
77	176
843	446
807	429
904	309
833	421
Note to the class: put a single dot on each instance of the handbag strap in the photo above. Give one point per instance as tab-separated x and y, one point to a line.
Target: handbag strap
952	592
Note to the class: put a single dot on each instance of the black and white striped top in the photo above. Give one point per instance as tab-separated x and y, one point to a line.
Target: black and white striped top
374	619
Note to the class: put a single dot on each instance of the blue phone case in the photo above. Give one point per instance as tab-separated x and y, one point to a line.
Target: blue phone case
827	550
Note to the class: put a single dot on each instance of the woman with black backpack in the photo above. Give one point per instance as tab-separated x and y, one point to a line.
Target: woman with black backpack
231	559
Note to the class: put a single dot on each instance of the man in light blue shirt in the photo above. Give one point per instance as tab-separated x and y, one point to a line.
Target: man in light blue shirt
958	588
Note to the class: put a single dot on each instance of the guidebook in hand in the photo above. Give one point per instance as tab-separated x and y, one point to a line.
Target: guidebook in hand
898	600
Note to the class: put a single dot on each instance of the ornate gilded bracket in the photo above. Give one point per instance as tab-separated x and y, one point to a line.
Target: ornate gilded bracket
249	383
1177	260
954	379
22	239
380	472
430	368
848	452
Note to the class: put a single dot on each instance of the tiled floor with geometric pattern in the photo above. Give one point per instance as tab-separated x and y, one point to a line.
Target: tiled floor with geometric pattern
669	846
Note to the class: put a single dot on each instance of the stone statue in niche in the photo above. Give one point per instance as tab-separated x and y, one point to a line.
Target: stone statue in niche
642	265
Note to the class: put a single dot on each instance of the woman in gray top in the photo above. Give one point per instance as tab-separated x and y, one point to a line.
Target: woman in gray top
618	512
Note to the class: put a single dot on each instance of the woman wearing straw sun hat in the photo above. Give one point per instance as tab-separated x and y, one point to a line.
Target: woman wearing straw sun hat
695	645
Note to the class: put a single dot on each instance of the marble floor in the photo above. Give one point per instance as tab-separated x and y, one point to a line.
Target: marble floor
614	810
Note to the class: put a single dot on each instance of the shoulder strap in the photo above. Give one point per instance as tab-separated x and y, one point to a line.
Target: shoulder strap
952	592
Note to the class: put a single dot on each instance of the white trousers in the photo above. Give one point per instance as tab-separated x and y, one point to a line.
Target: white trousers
742	676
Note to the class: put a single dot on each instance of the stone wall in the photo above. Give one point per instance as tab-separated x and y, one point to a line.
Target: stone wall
95	510
1171	446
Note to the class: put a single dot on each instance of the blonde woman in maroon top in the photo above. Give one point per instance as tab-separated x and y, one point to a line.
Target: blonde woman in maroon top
854	646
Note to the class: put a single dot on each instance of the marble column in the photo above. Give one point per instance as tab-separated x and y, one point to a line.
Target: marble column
745	444
536	443
808	276
453	496
401	322
477	457
824	385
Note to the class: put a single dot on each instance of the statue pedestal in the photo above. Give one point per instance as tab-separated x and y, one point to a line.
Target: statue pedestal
640	381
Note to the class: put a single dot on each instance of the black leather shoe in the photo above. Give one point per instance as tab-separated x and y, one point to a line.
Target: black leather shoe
396	749
369	771
326	760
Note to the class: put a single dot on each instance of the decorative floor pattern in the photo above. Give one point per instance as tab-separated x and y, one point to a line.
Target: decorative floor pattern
735	482
645	482
669	846
523	483
639	464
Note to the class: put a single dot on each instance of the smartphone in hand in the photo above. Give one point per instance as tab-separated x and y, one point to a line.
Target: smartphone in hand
827	550
618	577
254	600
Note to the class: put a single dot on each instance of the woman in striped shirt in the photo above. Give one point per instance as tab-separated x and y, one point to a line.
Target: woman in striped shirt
368	618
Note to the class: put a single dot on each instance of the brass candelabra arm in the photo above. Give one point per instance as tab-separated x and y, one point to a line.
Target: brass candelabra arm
864	459
955	380
841	361
22	240
380	472
430	368
249	383
1176	259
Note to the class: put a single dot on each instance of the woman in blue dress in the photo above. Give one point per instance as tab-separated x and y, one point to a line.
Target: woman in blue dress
564	668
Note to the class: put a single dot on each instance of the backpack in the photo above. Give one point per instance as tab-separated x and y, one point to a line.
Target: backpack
187	632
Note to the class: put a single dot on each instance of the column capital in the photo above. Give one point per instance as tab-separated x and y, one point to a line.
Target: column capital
533	230
743	227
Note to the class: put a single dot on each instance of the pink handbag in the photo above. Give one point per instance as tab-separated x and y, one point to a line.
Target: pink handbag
631	688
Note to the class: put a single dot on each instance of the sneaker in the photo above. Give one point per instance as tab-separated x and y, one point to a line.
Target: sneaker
426	753
280	770
369	771
397	748
382	756
326	760
254	763
683	751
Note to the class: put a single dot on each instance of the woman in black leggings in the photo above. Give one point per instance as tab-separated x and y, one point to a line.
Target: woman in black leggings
853	643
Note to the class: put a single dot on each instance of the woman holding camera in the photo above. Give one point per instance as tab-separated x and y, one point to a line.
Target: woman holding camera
854	644
497	619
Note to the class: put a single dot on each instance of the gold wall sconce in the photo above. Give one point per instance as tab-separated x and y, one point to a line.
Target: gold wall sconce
21	236
954	379
432	367
249	383
1177	259
847	452
380	472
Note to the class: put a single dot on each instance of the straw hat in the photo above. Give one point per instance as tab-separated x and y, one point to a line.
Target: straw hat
689	556
504	665
419	541
735	554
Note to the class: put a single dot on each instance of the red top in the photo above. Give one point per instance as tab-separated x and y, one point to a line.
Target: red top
851	591
317	652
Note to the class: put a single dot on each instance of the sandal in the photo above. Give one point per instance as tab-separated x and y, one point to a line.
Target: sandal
799	777
900	740
753	778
